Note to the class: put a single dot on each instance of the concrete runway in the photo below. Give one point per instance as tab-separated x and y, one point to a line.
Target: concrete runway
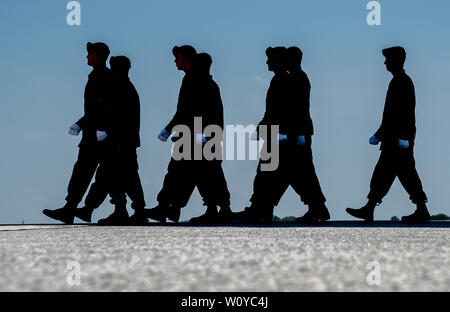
336	256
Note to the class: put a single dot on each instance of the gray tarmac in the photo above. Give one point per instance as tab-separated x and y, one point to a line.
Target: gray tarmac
338	256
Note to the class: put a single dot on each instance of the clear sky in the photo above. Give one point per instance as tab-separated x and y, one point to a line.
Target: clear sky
44	72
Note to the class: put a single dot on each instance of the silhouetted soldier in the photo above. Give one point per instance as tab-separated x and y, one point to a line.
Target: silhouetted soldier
286	107
127	120
183	175
396	134
97	144
208	176
301	174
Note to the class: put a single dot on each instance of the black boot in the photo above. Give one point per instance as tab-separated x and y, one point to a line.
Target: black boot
365	212
173	213
157	213
249	214
420	215
209	217
84	213
225	215
65	214
316	213
138	218
118	217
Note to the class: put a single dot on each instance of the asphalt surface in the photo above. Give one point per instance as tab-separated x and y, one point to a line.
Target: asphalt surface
346	256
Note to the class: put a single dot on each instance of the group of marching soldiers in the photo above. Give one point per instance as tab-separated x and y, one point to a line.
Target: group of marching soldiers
110	136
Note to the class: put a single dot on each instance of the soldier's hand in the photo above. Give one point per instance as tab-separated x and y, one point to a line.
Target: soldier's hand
200	138
282	137
163	135
301	140
254	136
403	144
101	135
74	129
374	140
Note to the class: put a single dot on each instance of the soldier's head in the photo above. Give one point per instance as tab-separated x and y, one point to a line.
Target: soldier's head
120	65
395	59
294	58
184	56
98	53
201	63
276	59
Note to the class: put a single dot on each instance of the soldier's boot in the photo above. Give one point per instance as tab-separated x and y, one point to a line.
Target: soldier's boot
420	215
173	213
65	214
84	213
317	212
139	217
211	216
225	214
267	213
249	214
157	213
118	217
365	212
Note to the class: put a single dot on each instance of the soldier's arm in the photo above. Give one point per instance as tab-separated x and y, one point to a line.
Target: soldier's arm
406	120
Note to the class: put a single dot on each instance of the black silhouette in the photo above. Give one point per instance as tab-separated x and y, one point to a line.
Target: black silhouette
287	105
127	116
199	97
97	146
396	134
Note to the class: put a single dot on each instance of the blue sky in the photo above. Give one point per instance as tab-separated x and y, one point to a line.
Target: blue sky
44	72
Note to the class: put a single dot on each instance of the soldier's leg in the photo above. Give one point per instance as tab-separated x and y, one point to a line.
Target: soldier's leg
383	176
382	179
133	185
83	171
98	190
96	195
110	160
213	188
178	184
409	178
303	177
268	188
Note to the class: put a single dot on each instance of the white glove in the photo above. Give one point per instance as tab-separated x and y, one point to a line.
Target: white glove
403	144
301	140
282	137
200	138
254	136
101	135
163	135
74	129
374	140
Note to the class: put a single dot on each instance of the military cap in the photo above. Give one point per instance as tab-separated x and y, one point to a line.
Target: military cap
295	55
98	47
277	51
202	62
120	62
396	53
185	50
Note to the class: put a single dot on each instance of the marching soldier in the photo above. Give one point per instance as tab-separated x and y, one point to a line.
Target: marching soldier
396	134
97	144
199	97
127	115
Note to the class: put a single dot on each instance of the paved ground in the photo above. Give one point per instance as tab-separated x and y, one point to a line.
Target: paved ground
238	258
